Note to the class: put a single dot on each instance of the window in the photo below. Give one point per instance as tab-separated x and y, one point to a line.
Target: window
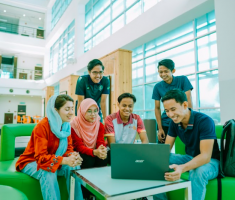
58	10
105	17
57	89
62	50
193	48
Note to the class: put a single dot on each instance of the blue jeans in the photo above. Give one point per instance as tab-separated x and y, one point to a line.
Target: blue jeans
48	181
199	177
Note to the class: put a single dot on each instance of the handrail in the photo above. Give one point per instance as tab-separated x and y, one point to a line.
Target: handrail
9	72
21	30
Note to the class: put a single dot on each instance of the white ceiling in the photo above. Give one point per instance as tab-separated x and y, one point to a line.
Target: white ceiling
32	17
37	5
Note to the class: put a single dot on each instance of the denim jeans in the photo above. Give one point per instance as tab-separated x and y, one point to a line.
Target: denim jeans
48	181
199	177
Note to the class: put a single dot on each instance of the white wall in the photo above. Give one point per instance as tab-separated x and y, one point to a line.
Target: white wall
21	44
29	62
76	10
29	27
26	64
160	19
9	104
21	84
225	15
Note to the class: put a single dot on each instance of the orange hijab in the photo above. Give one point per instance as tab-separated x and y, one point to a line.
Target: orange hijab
87	131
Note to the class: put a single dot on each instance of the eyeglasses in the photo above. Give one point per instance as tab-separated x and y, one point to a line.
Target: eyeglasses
90	112
96	73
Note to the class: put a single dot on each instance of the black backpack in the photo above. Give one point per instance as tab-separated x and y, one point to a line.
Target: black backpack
227	155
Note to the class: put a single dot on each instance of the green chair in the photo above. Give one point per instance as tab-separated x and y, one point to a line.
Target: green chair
228	183
11	193
8	175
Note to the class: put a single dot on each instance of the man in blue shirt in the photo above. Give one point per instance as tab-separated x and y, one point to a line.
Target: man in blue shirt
166	69
197	131
94	86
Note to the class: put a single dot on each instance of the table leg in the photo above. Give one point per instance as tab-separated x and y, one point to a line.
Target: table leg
188	192
72	188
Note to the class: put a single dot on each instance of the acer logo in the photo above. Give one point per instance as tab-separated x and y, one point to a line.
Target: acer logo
139	161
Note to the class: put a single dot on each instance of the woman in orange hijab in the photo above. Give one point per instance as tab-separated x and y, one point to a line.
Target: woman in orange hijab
88	135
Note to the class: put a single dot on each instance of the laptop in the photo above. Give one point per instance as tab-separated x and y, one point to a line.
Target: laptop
139	161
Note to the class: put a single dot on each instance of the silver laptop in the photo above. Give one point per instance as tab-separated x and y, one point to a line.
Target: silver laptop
139	161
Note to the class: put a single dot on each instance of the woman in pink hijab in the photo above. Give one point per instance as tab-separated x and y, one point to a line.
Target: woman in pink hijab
88	135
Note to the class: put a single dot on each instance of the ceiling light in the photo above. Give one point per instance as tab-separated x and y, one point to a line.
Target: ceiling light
24	15
4	11
40	18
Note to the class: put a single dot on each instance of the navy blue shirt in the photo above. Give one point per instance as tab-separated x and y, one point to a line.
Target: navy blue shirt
87	88
200	127
161	88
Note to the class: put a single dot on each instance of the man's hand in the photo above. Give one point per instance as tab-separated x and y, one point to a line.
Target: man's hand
101	152
161	135
173	176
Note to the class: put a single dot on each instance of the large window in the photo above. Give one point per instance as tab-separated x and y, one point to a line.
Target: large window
105	17
58	10
62	50
193	48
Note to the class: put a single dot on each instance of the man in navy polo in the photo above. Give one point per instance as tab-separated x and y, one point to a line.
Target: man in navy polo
197	131
166	69
94	86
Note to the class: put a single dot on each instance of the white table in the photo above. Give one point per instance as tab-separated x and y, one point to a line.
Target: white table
99	182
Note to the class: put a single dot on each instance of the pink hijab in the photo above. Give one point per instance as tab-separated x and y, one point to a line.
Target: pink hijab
87	131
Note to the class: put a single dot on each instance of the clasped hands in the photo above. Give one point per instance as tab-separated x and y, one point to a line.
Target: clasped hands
101	152
73	160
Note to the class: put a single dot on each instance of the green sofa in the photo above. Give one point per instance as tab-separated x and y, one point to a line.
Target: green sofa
228	183
11	193
8	175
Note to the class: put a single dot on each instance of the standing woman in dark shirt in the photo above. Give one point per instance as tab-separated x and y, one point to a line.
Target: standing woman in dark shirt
94	86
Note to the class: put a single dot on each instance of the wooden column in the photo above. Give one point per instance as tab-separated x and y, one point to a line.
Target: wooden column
49	91
68	86
118	65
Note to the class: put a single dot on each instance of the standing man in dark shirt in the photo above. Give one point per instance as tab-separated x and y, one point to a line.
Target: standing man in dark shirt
166	69
197	131
94	86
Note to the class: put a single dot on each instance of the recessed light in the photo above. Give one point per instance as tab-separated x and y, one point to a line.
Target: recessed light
4	11
40	18
24	15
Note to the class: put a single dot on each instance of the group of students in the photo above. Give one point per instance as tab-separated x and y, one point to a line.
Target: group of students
59	144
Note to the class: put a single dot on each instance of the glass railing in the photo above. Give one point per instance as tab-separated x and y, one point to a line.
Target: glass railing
19	73
21	30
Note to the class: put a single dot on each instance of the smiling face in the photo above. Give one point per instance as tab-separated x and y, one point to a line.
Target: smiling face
96	74
91	114
66	111
176	111
165	73
126	107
